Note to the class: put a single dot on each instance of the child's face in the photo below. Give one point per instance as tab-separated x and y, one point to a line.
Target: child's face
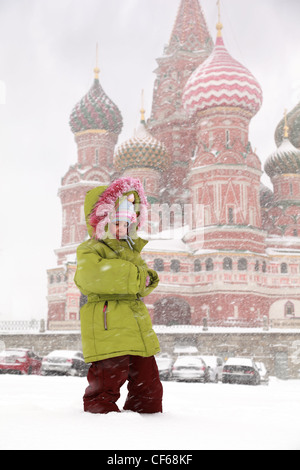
118	229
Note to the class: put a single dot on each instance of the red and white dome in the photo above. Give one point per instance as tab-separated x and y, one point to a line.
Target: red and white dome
222	81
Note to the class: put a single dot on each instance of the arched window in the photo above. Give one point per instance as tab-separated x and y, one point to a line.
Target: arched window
230	216
289	309
264	267
227	264
159	264
96	157
209	264
197	266
175	266
256	268
284	268
242	264
227	138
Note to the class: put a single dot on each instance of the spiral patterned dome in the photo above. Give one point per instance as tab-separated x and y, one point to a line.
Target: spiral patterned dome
222	81
96	111
142	150
284	161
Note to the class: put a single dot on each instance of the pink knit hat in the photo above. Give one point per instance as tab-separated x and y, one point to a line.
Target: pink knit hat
100	215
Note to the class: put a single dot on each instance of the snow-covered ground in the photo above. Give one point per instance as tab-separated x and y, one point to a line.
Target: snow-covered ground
46	413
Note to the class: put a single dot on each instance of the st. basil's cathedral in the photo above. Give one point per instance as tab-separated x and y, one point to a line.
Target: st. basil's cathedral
194	150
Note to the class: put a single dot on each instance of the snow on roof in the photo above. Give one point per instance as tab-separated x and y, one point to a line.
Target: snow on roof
167	245
188	360
168	240
185	350
63	353
14	352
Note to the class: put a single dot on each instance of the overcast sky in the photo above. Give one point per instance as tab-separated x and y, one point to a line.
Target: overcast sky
47	56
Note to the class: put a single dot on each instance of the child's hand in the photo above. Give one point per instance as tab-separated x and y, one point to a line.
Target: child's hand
148	281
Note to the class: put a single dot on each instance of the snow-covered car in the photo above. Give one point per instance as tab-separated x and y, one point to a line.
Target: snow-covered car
215	367
164	363
22	361
64	362
264	374
240	370
189	369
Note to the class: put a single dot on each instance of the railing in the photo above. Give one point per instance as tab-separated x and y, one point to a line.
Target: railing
21	326
236	323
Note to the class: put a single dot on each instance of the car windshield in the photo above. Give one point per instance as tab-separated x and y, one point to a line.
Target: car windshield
239	361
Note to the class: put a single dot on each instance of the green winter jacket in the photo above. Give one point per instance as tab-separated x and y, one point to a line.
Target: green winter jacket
114	321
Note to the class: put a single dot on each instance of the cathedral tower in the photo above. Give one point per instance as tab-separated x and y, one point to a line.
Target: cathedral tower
190	44
283	167
223	96
96	123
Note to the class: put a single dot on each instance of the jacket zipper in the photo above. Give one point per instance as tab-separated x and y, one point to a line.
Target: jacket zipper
105	314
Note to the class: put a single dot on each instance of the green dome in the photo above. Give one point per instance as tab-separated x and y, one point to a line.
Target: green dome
96	111
142	150
285	160
293	122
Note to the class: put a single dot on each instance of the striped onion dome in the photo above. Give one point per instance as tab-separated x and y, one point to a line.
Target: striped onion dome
96	111
222	81
142	150
284	161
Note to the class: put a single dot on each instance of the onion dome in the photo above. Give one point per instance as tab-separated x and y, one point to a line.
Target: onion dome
286	159
293	121
142	150
96	111
222	81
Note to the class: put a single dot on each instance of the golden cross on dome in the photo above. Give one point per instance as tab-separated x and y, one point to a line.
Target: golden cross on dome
96	69
219	25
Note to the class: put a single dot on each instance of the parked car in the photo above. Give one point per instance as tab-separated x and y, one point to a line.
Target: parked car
241	370
21	361
63	362
215	367
164	363
189	369
264	374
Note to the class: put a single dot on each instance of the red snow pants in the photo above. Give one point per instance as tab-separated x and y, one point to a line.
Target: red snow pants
106	377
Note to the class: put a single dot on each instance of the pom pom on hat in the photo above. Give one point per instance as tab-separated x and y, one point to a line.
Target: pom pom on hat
130	197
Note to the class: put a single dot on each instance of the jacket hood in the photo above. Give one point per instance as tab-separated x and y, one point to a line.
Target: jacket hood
100	203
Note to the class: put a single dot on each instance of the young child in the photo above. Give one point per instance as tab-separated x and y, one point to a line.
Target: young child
117	334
